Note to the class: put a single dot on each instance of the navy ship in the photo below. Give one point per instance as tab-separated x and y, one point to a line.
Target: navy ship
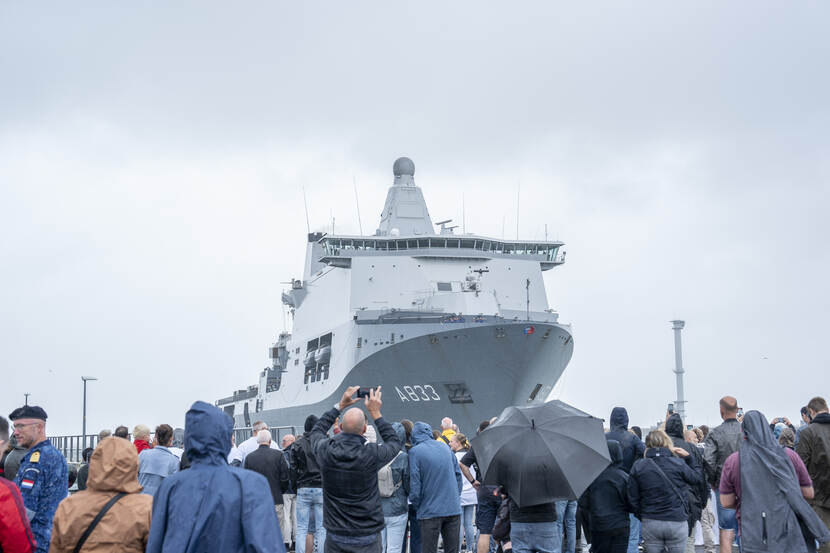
451	325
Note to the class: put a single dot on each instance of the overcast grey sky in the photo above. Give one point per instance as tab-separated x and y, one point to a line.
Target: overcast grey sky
152	159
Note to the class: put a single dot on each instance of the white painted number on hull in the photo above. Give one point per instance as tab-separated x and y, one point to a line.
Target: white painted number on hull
417	392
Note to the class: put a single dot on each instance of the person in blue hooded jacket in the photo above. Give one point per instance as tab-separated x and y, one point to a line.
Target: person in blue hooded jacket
213	506
633	448
434	490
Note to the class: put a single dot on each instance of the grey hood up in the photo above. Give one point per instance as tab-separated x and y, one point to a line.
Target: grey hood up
775	517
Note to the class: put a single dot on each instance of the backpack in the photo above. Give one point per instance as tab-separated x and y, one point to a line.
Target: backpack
386	481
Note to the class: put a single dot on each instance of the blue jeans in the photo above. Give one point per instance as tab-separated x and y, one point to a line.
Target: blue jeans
535	537
727	518
633	534
393	532
308	499
566	519
466	528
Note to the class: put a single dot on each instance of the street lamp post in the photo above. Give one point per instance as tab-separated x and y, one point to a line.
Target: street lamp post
83	431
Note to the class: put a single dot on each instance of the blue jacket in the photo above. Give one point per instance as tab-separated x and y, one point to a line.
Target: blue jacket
213	507
632	446
43	479
154	465
434	477
397	504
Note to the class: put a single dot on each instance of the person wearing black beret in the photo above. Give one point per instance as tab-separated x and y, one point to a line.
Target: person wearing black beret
43	473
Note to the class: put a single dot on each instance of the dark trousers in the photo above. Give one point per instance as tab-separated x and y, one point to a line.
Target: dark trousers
333	545
446	526
614	541
414	533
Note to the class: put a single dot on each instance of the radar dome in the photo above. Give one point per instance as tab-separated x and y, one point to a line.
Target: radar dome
403	166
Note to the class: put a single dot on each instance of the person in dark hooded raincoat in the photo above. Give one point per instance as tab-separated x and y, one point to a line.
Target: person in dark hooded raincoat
633	448
675	430
605	506
213	507
768	484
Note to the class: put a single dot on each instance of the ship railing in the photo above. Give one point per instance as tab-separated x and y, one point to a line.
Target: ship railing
277	433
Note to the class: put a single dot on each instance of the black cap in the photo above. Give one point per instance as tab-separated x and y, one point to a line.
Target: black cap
28	412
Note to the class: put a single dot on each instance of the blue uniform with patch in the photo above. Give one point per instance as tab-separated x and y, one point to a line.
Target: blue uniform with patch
43	481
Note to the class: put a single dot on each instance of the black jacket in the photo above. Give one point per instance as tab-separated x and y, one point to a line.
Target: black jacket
349	467
270	463
632	446
674	428
605	502
304	464
814	449
648	493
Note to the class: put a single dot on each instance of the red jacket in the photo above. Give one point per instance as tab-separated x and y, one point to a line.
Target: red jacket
141	445
15	532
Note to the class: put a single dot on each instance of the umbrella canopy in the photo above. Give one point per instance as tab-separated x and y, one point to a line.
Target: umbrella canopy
542	453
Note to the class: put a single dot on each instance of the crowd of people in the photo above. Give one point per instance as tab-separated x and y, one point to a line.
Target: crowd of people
357	483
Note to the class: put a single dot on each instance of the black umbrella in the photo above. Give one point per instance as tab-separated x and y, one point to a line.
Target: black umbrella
542	453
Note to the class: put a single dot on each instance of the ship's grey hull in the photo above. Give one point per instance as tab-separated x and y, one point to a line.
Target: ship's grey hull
468	373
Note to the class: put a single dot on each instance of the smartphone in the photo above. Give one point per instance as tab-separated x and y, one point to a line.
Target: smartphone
740	411
671	408
363	392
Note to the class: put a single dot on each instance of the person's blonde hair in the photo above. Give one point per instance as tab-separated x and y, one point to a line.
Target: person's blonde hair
141	431
461	439
658	438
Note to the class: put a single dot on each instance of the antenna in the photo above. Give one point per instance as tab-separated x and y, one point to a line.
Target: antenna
305	203
546	232
357	203
331	214
518	192
463	216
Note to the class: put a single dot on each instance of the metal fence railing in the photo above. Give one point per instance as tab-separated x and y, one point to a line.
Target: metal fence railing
277	432
72	446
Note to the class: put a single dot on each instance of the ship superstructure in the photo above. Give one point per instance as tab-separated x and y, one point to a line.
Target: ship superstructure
450	325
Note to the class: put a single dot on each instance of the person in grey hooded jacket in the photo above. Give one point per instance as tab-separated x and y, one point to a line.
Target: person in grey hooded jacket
769	485
396	508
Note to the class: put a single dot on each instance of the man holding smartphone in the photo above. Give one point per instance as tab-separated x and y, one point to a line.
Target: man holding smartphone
352	513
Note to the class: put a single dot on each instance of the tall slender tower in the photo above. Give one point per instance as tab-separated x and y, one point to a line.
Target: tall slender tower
680	404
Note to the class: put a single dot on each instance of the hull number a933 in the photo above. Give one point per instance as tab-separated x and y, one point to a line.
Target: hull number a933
418	392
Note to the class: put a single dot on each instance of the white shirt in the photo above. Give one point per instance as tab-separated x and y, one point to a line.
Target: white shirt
469	495
250	445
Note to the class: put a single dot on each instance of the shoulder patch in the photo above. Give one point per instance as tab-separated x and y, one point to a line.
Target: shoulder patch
35	458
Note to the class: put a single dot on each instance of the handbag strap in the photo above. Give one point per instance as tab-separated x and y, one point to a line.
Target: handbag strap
113	500
668	480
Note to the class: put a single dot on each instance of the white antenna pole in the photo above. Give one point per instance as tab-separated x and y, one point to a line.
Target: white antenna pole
518	192
463	216
357	203
305	203
331	213
546	232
